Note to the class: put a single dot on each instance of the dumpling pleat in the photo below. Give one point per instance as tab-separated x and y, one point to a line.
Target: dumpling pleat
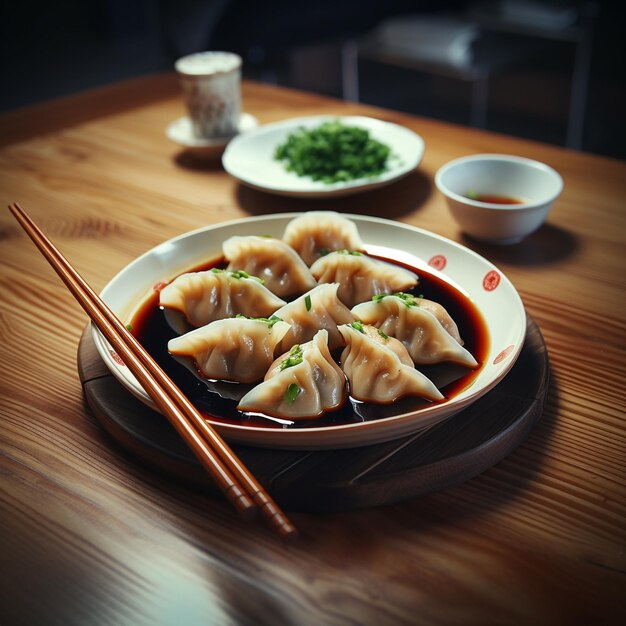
376	373
318	232
317	309
235	349
360	276
302	391
418	329
279	265
196	298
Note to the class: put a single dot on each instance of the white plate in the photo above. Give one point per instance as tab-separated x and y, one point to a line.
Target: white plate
180	132
250	158
492	293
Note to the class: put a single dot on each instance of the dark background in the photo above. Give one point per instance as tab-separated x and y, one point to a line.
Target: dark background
53	49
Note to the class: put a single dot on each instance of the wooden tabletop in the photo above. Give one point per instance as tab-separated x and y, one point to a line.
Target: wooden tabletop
88	535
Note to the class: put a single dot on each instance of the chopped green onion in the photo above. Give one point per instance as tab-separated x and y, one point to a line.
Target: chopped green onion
270	321
295	357
383	334
358	326
238	274
292	392
307	302
242	274
349	252
129	328
407	298
333	152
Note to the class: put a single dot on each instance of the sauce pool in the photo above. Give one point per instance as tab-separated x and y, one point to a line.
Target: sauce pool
492	199
151	329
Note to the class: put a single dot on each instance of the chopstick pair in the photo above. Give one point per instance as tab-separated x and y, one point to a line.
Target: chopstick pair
230	475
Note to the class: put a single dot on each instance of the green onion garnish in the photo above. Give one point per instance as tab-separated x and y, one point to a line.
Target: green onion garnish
294	357
333	152
270	321
358	326
292	392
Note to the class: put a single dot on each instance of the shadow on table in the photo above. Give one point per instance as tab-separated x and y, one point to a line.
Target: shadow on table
549	244
495	488
190	160
394	200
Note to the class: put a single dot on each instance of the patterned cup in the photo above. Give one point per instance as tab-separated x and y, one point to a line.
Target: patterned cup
211	83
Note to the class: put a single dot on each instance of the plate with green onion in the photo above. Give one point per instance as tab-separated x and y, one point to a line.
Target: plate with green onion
323	156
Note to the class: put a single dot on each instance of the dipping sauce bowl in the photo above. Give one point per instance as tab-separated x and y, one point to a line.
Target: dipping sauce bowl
498	198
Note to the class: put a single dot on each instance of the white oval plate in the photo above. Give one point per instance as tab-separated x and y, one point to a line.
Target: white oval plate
488	288
250	157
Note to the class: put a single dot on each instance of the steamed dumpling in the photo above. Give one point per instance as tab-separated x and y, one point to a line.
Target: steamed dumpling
282	270
235	349
302	383
317	309
377	335
427	341
379	368
360	276
318	232
197	298
443	316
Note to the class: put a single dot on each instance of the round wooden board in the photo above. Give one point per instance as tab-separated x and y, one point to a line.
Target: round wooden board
328	480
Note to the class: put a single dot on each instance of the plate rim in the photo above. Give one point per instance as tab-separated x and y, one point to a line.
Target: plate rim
334	189
312	438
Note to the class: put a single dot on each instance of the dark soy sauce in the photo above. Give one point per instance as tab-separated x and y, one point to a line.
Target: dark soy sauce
153	332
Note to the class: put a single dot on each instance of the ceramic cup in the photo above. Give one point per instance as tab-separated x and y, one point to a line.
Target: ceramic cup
211	83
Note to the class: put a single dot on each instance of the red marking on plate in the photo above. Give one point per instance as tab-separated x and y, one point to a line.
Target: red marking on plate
116	357
438	262
158	286
491	280
503	355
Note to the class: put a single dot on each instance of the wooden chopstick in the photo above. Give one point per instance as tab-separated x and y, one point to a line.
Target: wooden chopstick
231	476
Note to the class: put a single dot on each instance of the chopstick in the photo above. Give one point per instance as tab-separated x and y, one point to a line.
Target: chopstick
231	476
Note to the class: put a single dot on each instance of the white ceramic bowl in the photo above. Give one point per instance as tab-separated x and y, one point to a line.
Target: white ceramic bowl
485	285
537	186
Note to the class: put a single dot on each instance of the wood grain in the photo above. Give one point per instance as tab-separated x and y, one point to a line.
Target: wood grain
98	538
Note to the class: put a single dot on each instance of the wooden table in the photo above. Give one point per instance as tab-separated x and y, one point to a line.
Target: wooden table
90	536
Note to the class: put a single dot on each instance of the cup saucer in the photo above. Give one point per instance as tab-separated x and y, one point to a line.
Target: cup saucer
180	132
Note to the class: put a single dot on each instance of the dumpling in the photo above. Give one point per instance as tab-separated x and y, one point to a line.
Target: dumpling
302	383
235	349
443	316
427	341
375	334
360	276
317	233
197	298
282	270
379	368
317	309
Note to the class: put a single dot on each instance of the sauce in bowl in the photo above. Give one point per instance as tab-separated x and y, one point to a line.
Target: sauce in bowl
493	199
